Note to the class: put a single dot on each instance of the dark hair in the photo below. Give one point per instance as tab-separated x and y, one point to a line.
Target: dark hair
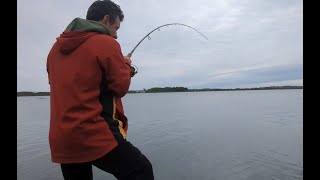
100	8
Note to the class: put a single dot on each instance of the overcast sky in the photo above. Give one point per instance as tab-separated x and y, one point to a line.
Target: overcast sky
251	43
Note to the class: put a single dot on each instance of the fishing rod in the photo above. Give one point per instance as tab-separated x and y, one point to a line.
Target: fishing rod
134	69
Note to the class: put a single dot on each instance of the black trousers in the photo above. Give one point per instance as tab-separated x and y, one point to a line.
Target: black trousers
125	162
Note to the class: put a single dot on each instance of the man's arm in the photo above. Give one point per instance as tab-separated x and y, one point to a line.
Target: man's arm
117	70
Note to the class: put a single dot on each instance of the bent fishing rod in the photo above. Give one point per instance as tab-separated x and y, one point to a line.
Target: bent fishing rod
134	69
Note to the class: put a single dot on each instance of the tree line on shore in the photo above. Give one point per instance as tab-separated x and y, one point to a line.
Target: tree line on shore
174	89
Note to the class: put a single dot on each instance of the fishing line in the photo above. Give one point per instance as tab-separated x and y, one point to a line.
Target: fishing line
134	69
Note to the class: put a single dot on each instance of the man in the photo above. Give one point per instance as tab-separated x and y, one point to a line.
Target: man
88	75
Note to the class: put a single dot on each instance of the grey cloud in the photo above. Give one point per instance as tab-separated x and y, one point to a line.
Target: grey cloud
257	42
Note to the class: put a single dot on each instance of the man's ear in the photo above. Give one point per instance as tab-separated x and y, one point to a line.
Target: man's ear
106	19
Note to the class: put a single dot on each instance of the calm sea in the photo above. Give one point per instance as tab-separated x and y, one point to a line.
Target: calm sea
225	135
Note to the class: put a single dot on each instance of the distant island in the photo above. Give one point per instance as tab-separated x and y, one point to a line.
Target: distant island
175	89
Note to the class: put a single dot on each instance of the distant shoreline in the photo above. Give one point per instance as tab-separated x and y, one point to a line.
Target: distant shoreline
175	89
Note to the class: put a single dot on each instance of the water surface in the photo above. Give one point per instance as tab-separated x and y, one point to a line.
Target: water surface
218	135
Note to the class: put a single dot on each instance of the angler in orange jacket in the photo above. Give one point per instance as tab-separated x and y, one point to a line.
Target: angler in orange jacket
88	75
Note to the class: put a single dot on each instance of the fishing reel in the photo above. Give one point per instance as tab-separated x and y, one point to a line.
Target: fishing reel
134	70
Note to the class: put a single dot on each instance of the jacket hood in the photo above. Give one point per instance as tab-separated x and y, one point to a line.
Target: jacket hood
78	31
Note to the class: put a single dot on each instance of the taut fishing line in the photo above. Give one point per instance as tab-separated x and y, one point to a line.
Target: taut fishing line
134	69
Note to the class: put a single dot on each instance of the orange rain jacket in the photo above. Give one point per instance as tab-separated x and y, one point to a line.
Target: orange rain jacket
88	76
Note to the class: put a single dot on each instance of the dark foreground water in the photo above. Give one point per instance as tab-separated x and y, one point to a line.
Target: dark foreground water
227	135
